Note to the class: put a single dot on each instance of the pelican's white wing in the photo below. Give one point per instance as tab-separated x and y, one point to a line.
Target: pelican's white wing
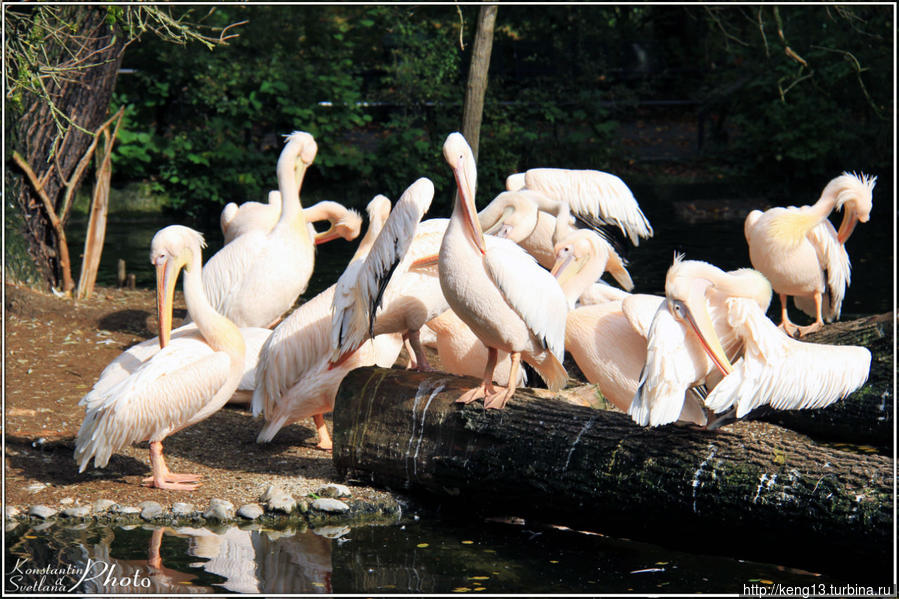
595	197
674	363
165	394
254	338
362	289
834	261
296	345
784	373
640	310
530	290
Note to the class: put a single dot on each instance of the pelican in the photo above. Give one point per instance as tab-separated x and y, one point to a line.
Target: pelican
253	216
515	181
607	338
186	381
498	290
587	247
257	277
802	255
525	217
294	377
714	322
596	199
388	279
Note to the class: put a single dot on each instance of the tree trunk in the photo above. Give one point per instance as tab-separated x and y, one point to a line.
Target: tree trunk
865	417
784	498
473	110
83	94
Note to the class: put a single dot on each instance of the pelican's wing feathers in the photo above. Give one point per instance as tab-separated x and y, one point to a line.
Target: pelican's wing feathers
530	290
834	260
595	197
186	374
300	342
782	372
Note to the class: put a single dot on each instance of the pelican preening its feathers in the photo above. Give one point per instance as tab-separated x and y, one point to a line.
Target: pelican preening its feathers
713	330
801	253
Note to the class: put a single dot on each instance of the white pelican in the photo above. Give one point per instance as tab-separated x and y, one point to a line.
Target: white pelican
527	218
607	338
294	377
387	293
596	198
499	291
588	247
253	216
257	277
802	255
715	321
188	380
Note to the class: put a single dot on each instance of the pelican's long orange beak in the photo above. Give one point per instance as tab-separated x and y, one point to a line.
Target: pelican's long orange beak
166	276
324	237
847	226
694	312
499	228
561	270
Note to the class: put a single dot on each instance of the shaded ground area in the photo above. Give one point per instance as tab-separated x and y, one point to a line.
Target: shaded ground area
55	350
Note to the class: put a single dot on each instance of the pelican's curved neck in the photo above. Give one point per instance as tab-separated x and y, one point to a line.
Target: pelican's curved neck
330	211
827	202
220	333
291	171
563	222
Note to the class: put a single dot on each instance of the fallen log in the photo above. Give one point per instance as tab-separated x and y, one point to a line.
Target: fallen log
752	490
866	416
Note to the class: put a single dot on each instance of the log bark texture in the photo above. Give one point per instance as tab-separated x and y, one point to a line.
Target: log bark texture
753	489
865	417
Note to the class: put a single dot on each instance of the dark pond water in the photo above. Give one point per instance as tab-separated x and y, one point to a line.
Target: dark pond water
417	556
705	222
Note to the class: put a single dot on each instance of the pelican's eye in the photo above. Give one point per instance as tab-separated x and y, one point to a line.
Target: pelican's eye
679	309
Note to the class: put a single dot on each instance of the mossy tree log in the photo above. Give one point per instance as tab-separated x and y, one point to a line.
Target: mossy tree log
753	489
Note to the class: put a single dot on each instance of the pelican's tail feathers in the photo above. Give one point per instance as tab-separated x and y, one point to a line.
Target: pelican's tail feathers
549	368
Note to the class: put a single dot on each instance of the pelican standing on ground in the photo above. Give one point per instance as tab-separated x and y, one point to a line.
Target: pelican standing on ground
715	321
257	277
802	255
498	290
186	381
294	377
387	292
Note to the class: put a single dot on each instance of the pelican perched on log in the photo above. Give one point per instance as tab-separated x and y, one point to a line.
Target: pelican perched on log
294	377
387	292
188	380
713	322
498	290
597	199
257	277
802	255
607	338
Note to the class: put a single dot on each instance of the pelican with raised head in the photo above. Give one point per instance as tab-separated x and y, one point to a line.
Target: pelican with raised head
190	378
801	253
713	325
498	290
257	277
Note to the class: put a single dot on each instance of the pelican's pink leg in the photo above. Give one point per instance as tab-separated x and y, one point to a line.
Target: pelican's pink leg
324	437
788	327
486	386
498	400
819	320
421	360
163	478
